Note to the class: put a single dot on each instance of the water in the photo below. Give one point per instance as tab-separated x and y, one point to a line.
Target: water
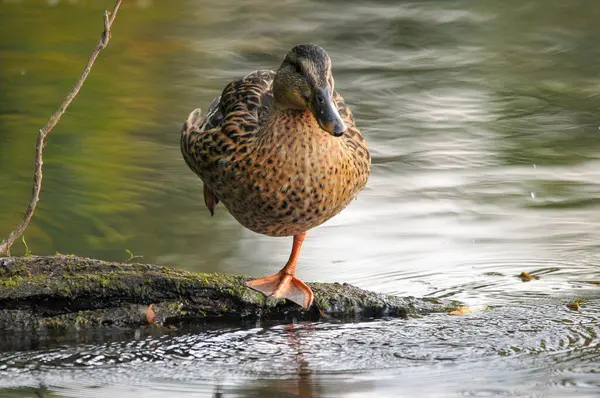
482	119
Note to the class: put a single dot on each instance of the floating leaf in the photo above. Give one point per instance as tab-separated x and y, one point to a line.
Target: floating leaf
525	277
461	311
574	306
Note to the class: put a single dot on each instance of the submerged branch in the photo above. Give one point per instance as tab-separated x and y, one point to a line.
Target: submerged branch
109	18
68	291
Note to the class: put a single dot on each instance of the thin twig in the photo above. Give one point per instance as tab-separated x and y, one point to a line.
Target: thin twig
109	18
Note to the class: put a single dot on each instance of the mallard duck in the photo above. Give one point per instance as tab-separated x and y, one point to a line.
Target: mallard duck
281	151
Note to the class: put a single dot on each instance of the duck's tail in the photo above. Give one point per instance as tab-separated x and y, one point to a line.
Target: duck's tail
195	119
188	131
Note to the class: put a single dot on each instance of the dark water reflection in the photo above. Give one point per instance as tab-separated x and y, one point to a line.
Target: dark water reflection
482	118
513	350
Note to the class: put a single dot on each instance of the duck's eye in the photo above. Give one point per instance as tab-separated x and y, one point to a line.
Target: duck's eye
298	68
320	100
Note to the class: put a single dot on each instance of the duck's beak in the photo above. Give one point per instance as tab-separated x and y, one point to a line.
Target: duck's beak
326	113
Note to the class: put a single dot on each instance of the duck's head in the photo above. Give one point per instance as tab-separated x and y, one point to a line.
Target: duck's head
303	81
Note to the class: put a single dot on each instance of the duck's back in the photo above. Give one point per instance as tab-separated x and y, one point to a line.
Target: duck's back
233	118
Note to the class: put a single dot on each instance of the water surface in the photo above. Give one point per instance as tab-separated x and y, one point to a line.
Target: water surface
482	119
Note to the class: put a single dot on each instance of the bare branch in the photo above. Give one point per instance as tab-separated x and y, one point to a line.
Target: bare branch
109	18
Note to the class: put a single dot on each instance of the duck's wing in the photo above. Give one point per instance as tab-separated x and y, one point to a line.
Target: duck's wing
246	101
232	119
210	144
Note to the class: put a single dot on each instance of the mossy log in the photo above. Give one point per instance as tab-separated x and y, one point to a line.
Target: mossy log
69	291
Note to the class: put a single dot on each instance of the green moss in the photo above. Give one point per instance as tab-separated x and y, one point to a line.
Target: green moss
11	281
16	269
204	279
54	322
81	281
175	309
81	321
17	281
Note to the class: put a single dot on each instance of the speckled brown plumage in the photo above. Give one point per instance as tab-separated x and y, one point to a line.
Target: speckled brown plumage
279	177
269	161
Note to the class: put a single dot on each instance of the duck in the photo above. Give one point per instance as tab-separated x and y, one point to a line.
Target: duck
281	151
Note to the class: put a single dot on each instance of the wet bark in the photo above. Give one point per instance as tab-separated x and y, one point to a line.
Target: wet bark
54	292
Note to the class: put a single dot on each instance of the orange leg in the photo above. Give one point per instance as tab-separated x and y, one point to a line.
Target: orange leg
284	284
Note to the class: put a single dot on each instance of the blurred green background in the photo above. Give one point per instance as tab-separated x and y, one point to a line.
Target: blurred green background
483	121
459	101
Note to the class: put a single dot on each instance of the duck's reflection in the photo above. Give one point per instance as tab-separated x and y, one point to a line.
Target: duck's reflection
302	385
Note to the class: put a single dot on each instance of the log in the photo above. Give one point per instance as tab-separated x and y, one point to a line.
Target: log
63	291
